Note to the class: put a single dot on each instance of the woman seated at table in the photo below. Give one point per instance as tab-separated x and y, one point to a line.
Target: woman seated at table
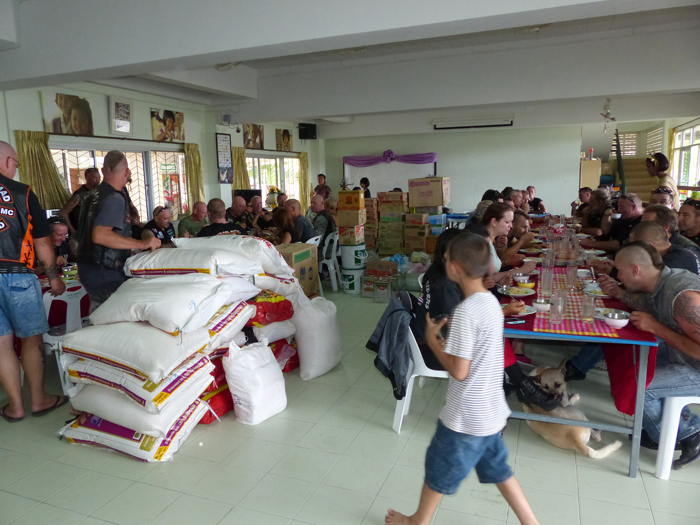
286	229
440	296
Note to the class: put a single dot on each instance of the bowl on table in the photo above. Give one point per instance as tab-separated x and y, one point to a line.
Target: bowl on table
541	305
590	284
617	319
583	274
521	277
526	284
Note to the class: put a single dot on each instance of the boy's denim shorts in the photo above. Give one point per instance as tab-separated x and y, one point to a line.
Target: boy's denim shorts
452	455
21	305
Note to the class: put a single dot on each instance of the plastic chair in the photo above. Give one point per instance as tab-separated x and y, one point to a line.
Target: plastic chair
331	262
420	280
314	240
420	370
72	303
669	433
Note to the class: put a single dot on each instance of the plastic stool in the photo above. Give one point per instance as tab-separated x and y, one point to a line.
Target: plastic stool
669	433
71	300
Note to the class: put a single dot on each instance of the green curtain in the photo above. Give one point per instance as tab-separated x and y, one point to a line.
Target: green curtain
38	169
240	170
304	181
195	176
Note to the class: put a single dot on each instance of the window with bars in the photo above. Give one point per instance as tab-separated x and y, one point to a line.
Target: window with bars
686	157
282	172
160	182
628	145
655	140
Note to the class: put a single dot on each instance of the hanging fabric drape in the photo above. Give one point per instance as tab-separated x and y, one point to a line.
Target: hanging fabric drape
38	169
240	170
195	176
365	161
671	148
304	181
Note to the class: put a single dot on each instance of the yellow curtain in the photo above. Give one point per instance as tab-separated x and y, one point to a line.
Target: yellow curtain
38	169
304	182
195	176
671	148
240	170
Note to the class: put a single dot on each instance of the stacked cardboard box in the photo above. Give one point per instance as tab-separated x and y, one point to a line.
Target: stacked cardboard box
428	196
351	218
431	191
303	258
392	207
372	224
391	237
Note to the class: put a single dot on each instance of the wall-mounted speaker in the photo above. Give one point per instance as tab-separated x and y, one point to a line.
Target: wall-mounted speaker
226	119
307	131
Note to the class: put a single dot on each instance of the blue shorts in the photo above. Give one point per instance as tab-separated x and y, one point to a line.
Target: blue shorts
452	455
21	305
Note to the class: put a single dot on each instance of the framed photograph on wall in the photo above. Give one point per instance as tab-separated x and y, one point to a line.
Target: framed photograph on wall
121	116
65	114
224	160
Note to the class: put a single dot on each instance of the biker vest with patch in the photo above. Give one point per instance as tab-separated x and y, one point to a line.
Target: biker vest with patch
16	242
74	215
90	252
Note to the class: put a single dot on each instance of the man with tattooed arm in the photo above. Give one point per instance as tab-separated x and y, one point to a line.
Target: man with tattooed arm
24	239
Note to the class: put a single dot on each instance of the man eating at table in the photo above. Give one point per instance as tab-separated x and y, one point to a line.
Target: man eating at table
630	208
666	303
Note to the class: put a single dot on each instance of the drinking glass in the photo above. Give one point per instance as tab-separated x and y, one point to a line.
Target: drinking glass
588	309
571	276
558	308
547	281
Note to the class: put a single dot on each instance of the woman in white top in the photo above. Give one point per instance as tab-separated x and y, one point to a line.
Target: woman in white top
498	220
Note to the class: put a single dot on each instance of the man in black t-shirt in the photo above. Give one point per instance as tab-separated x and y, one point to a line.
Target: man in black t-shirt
216	210
631	210
71	210
536	204
236	214
160	227
689	220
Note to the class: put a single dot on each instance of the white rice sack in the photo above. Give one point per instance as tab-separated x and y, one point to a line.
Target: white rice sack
239	339
227	323
241	288
138	349
168	261
318	335
275	331
252	248
92	430
255	381
176	303
193	375
111	405
284	286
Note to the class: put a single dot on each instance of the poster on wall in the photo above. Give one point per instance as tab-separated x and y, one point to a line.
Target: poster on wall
167	125
121	116
253	136
284	140
224	161
65	114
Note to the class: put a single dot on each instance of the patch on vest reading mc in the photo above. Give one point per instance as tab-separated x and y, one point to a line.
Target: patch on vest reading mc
5	195
7	212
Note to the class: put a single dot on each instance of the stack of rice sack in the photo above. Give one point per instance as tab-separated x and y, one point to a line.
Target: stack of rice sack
145	364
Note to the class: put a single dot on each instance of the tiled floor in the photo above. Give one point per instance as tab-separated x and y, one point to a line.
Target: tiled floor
331	458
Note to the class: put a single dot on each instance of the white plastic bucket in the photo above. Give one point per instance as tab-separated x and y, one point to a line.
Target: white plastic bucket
353	257
351	279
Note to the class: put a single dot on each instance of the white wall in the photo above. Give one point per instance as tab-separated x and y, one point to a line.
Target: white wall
475	161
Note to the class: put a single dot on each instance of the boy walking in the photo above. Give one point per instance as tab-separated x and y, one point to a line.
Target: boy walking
468	432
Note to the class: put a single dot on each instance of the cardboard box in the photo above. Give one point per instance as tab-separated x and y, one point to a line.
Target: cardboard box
351	236
431	244
371	204
391	226
430	210
392	196
381	268
304	259
416	245
351	200
417	219
348	218
437	220
431	191
416	232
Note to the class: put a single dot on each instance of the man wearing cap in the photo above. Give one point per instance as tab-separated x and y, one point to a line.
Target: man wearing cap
160	226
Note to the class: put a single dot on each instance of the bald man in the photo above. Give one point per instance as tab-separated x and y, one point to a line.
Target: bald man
237	215
672	256
631	209
24	240
323	224
303	224
668	220
190	226
216	210
665	302
260	218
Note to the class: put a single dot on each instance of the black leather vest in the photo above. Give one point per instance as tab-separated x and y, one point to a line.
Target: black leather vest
74	215
16	242
88	251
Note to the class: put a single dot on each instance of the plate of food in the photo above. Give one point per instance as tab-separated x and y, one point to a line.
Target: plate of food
594	252
528	310
531	251
537	260
596	293
535	272
516	291
600	312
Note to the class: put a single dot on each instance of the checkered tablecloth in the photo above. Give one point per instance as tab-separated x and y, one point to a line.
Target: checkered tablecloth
572	323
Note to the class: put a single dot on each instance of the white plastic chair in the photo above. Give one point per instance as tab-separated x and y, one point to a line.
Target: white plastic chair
314	240
669	433
331	262
420	281
421	370
72	297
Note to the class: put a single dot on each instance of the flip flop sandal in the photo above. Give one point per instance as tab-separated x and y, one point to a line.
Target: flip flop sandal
7	418
58	403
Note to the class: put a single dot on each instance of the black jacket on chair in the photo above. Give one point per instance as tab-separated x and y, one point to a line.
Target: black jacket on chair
390	341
